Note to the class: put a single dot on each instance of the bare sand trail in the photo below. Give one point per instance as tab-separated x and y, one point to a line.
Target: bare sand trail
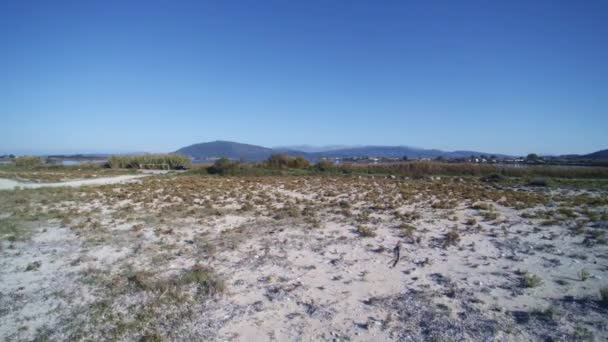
9	184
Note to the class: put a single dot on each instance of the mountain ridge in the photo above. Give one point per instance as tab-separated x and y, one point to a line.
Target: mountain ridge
248	152
253	153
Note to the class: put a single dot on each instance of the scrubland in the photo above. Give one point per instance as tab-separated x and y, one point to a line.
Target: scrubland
309	257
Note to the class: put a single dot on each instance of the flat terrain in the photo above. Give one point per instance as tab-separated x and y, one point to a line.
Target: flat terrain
59	174
179	257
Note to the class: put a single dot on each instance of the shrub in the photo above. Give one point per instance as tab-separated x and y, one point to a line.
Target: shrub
490	215
583	274
538	182
471	221
531	280
325	165
407	230
451	238
283	161
418	169
493	178
28	161
278	161
365	231
205	278
157	161
482	206
223	166
604	295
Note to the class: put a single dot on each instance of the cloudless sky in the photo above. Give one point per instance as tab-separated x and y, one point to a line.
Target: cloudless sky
117	76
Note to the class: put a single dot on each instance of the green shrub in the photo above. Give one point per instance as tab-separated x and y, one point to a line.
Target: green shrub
495	173
364	231
283	161
28	161
531	280
604	295
223	166
205	278
154	161
493	178
538	182
324	165
451	238
583	274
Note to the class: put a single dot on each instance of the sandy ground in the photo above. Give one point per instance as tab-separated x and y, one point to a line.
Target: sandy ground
299	259
9	184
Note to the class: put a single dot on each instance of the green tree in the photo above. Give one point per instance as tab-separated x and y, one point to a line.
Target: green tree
532	157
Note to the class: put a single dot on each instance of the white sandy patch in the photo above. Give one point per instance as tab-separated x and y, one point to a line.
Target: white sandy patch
9	184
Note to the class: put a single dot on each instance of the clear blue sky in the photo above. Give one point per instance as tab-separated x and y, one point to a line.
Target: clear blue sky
115	76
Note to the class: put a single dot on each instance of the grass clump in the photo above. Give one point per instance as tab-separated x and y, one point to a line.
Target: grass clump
206	280
493	178
482	206
470	221
365	231
548	315
604	295
583	274
530	280
407	230
9	229
451	238
489	215
538	182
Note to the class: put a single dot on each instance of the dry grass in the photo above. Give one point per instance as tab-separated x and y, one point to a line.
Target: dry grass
181	229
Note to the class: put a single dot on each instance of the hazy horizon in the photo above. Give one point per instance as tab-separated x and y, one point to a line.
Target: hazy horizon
115	77
308	148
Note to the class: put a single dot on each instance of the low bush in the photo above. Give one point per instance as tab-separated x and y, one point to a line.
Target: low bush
364	231
451	238
204	277
156	161
604	295
583	274
493	178
283	161
28	161
223	166
324	166
531	280
538	182
490	173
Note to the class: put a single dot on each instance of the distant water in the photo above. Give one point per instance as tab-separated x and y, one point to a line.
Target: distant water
78	162
523	166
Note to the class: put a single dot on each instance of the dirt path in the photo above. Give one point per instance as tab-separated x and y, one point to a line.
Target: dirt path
9	184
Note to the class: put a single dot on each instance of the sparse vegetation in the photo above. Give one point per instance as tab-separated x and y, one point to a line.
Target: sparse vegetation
28	162
451	238
205	279
530	280
604	295
157	161
283	161
538	182
365	231
159	252
583	275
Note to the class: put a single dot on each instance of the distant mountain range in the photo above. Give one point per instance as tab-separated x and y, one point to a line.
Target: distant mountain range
312	149
253	153
599	155
246	152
